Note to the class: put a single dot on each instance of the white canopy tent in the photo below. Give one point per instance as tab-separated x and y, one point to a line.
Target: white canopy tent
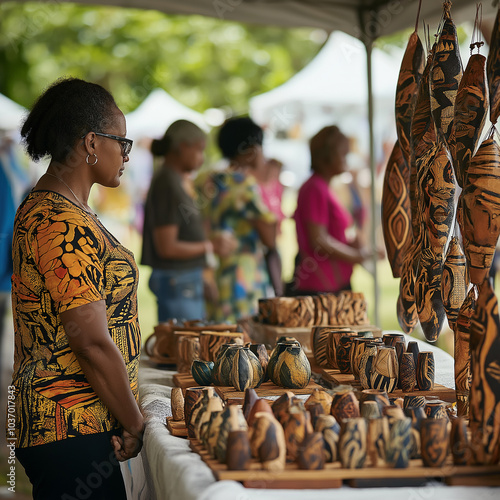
156	113
332	88
11	114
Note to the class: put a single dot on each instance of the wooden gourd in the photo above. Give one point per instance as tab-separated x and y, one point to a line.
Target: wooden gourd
470	115
446	73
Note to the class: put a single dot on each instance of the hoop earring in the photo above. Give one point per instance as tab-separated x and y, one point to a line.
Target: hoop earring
87	159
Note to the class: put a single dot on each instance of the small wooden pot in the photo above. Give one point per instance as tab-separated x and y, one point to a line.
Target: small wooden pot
345	404
202	371
210	342
344	353
390	339
385	369
434	441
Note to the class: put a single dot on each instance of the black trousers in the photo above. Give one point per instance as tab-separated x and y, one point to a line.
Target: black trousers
79	468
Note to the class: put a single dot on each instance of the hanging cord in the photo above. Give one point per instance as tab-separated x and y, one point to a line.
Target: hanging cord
418	15
476	41
427	37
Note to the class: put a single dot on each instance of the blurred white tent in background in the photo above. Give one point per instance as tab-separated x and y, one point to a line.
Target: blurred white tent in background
331	89
156	113
11	114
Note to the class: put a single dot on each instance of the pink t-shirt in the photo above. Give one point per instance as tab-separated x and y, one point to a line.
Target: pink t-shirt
317	204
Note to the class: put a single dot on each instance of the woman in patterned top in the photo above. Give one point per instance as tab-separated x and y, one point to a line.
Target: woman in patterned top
77	338
231	203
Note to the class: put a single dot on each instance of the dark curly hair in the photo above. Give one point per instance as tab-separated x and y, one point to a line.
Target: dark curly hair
67	110
238	135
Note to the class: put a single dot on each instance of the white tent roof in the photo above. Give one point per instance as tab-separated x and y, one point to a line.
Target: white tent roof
361	18
11	114
156	113
336	76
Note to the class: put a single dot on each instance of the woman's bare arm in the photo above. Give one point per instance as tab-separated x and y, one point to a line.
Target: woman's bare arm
103	365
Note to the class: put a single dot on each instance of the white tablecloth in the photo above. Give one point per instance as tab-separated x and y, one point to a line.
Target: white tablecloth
167	469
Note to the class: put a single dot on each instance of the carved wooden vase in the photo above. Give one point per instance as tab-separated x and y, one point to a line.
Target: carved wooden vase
352	443
246	370
385	370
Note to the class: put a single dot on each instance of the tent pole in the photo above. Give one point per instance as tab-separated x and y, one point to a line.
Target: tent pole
374	209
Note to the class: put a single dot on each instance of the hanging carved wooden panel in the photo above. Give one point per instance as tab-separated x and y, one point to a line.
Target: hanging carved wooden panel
454	282
423	135
438	196
480	217
428	299
462	352
493	70
484	414
410	74
406	306
396	216
446	73
470	114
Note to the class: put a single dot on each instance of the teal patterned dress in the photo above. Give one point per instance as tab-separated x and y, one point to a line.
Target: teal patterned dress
230	200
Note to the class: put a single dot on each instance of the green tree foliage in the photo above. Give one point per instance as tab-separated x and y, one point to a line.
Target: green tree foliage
202	62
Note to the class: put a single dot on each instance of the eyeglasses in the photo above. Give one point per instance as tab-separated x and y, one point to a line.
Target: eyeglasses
126	144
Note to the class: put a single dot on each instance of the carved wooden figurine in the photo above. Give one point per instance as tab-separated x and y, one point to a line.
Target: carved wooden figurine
238	453
232	420
297	427
177	404
267	442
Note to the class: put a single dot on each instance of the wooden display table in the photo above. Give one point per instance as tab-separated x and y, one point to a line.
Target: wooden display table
334	476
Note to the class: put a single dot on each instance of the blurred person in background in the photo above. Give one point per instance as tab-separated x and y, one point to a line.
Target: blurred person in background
232	204
271	192
327	254
174	240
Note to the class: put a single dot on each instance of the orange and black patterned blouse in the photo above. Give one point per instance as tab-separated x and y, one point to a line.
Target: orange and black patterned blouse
65	258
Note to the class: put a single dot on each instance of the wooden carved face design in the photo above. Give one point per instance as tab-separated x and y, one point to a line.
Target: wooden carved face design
438	190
